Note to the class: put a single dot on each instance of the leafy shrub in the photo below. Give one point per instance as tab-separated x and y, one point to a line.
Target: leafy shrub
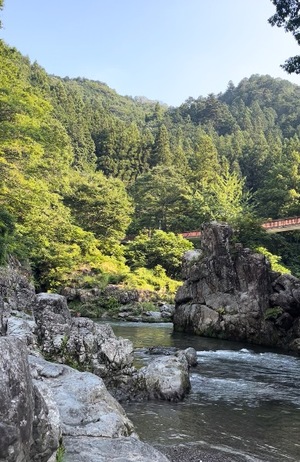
274	260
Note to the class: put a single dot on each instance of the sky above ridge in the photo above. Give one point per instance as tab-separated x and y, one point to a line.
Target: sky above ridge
166	50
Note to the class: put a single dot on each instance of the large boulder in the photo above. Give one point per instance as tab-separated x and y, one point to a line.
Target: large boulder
26	432
85	406
164	378
79	342
24	328
45	403
230	292
94	425
167	378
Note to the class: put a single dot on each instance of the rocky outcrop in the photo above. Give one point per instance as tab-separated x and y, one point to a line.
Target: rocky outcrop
230	292
86	408
79	341
16	296
189	353
42	402
56	402
16	289
27	432
166	377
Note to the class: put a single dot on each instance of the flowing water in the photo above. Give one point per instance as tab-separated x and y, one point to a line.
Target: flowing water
244	400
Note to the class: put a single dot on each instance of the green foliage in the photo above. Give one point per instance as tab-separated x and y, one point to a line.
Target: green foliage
274	260
156	280
249	232
271	314
100	205
96	308
164	200
227	196
160	251
60	454
81	167
288	16
287	246
7	228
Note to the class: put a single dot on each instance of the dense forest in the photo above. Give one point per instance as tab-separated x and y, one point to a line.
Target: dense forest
82	167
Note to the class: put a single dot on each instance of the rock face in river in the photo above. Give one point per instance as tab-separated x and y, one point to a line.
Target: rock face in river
230	292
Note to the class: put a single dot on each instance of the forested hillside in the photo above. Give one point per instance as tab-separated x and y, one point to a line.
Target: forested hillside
81	167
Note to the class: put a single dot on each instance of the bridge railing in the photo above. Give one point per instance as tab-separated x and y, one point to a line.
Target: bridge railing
267	225
281	222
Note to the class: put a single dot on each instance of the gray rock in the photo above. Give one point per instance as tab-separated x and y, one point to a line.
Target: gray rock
23	327
16	293
191	356
16	290
85	406
79	342
166	378
152	316
231	293
26	433
16	402
167	311
110	450
3	318
46	430
161	351
94	425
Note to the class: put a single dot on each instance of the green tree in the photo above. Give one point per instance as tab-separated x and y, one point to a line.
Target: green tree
161	150
279	195
275	260
161	197
205	163
1	7
159	248
7	227
288	16
227	198
100	205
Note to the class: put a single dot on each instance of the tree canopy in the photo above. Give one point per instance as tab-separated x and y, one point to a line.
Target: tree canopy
82	167
288	16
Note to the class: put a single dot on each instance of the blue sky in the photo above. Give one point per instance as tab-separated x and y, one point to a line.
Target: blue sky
166	50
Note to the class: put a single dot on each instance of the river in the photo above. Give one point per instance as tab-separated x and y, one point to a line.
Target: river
244	400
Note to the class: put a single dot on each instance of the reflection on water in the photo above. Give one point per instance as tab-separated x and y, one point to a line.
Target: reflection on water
245	400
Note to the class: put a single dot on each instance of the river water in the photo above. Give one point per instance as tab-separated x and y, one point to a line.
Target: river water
244	400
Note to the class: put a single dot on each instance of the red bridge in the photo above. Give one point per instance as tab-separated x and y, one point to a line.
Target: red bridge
271	226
